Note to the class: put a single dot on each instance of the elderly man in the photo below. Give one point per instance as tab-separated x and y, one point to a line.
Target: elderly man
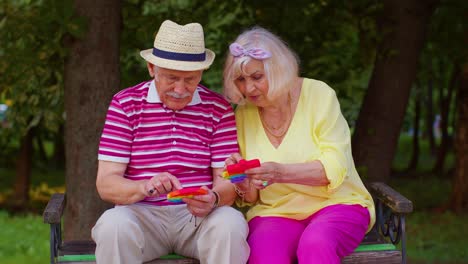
163	135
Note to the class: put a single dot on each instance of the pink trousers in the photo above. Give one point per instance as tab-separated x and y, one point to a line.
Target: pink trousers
325	237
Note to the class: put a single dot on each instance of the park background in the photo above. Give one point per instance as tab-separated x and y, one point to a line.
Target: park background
399	68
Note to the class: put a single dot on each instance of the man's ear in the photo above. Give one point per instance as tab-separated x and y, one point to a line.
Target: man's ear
151	69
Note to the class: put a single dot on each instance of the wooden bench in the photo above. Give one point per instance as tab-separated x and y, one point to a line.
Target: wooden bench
379	245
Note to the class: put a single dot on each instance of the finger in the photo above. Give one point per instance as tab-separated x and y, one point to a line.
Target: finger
237	157
199	201
198	213
254	176
259	184
150	189
230	161
194	209
158	187
190	210
258	170
192	203
202	204
233	159
166	183
157	184
175	183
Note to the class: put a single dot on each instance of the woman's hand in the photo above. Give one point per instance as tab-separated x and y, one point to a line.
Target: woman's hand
233	159
244	189
243	186
265	175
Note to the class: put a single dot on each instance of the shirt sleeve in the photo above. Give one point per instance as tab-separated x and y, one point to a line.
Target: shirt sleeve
116	139
224	141
334	140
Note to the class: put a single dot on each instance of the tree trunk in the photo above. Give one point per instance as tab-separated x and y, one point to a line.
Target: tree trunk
445	142
417	116
91	78
459	199
430	109
23	171
404	24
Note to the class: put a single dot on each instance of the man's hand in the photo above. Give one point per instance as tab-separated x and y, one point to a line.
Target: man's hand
201	205
162	183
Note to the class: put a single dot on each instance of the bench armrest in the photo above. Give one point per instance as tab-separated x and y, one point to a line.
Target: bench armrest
391	209
391	198
54	209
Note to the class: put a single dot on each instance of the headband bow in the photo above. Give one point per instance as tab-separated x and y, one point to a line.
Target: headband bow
257	53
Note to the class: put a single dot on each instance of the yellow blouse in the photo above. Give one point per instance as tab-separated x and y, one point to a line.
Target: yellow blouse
318	131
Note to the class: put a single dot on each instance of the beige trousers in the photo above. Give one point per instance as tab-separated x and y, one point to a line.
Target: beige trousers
138	233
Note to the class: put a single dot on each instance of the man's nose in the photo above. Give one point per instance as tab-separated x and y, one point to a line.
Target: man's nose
179	87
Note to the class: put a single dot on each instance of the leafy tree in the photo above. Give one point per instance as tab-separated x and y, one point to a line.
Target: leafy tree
221	21
403	25
334	40
447	50
31	65
450	44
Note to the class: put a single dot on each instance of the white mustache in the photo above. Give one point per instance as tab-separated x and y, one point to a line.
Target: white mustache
178	96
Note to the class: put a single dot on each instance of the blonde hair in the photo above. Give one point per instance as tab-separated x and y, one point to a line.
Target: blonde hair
280	70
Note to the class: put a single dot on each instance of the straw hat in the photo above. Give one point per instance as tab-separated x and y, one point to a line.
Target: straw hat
179	47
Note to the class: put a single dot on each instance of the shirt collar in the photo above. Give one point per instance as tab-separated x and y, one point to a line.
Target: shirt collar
153	96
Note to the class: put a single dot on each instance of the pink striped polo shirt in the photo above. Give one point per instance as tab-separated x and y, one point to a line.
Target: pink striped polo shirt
151	138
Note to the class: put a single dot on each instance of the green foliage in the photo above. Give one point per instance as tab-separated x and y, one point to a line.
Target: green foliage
31	64
334	39
448	29
53	178
443	53
43	184
221	21
23	239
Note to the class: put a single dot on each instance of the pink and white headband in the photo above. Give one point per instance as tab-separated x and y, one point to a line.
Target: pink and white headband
257	53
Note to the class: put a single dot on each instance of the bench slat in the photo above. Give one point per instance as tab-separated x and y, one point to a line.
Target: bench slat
374	257
81	251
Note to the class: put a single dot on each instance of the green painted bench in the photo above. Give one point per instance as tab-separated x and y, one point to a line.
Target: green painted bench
385	244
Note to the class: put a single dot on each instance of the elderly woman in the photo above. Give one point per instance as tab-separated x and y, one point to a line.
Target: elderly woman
308	203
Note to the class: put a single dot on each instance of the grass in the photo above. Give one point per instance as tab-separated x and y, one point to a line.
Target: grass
438	238
23	239
434	236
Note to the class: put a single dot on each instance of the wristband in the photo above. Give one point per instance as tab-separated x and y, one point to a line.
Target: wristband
216	199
